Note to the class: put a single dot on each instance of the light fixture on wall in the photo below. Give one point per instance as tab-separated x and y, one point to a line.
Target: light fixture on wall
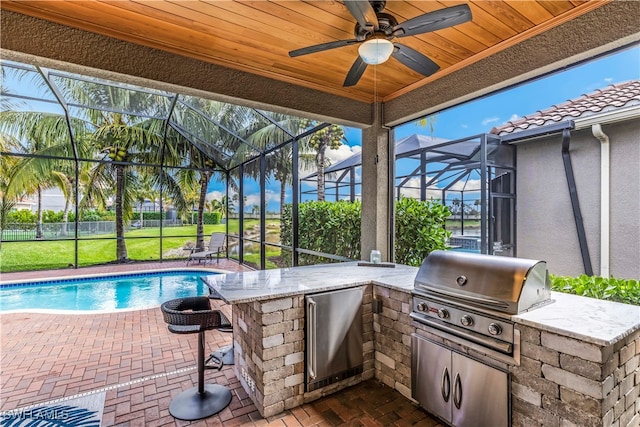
375	51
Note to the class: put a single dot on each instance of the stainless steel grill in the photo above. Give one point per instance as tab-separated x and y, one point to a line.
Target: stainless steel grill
473	296
465	302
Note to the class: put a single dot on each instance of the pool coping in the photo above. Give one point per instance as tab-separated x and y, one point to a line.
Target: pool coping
23	282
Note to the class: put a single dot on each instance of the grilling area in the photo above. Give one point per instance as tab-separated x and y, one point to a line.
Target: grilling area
473	339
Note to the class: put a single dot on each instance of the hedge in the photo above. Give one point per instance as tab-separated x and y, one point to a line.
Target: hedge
335	228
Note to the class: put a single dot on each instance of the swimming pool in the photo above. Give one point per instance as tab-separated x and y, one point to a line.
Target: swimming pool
105	293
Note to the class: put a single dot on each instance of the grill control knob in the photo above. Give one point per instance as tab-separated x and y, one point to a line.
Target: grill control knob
422	306
443	313
466	320
495	329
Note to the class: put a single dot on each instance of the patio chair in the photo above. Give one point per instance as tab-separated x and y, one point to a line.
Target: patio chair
186	316
217	245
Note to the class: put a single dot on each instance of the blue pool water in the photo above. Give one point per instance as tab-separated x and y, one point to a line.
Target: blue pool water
139	290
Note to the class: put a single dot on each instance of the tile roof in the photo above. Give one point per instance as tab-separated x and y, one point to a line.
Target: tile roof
605	99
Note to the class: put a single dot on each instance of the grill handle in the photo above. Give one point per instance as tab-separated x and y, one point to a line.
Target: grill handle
457	391
445	387
482	302
501	346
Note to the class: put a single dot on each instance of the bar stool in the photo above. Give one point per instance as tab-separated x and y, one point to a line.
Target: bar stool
223	354
187	316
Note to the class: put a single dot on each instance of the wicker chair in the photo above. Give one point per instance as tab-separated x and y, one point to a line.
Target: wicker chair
187	316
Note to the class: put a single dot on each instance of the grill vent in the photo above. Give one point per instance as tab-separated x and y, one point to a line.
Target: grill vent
335	378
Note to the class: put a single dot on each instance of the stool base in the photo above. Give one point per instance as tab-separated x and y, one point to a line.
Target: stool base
191	405
225	354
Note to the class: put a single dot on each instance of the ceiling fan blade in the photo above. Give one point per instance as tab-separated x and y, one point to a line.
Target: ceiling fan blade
363	12
414	60
356	71
433	21
320	47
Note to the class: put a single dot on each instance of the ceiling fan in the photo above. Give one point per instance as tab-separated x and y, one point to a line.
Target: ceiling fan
375	29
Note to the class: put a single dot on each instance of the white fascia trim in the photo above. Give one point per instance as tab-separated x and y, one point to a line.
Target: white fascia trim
617	115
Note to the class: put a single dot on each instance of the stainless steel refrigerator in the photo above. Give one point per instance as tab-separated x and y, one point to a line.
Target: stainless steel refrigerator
333	336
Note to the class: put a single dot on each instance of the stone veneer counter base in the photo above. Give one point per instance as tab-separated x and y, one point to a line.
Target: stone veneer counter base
579	364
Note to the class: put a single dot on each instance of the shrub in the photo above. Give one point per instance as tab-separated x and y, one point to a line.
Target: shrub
90	216
22	216
148	216
419	229
612	289
334	228
212	217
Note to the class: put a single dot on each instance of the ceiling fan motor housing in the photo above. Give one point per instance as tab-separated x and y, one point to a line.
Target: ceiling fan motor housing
386	23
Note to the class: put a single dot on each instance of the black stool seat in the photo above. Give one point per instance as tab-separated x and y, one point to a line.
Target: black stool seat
187	316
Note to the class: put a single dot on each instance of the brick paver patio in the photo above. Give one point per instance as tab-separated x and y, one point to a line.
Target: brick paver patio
140	365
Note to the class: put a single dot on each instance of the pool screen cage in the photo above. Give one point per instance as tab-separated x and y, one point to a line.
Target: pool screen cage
156	158
474	177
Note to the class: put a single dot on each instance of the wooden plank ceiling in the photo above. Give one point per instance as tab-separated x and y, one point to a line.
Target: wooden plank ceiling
256	36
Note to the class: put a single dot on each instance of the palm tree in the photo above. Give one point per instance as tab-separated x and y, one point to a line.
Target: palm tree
210	119
112	142
280	162
7	163
144	190
42	134
216	206
328	137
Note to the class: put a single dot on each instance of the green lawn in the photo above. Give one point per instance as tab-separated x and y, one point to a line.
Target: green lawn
142	245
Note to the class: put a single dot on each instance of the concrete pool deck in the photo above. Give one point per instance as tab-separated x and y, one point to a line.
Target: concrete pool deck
140	366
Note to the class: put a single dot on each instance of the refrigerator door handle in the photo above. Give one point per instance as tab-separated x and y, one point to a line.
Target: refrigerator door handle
312	364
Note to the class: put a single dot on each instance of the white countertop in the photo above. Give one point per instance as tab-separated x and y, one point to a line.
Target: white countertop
586	319
250	286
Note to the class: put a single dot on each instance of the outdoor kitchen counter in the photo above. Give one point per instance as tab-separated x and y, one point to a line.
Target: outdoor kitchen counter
585	319
585	347
261	285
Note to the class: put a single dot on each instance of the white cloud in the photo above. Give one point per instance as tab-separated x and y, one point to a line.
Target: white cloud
254	199
472	184
214	195
514	117
414	190
334	156
608	79
490	120
343	152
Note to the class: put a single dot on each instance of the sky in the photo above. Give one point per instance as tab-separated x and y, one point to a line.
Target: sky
481	115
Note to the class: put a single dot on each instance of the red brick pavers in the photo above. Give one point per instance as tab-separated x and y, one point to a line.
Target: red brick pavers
141	366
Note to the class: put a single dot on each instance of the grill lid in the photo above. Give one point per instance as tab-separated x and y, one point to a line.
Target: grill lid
508	285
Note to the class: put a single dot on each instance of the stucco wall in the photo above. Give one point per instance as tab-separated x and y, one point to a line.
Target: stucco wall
545	223
625	199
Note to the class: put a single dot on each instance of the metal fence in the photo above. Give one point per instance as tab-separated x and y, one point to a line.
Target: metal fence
61	230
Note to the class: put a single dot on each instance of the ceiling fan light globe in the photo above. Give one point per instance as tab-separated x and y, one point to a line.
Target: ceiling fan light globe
375	51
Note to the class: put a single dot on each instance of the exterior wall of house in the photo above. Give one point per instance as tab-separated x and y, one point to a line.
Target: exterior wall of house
625	199
545	223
